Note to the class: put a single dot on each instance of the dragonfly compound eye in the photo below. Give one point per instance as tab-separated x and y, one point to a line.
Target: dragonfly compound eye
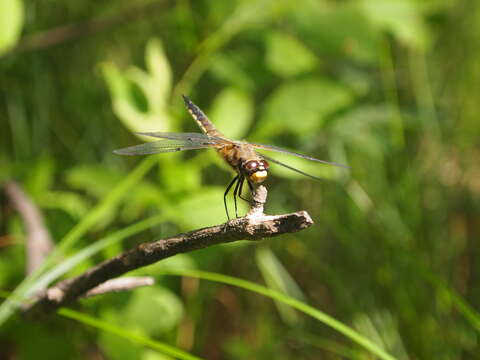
263	164
256	170
251	166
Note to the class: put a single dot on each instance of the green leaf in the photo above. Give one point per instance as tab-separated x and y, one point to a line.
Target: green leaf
154	86
156	83
177	175
73	204
227	68
161	73
123	102
143	196
41	177
232	112
301	106
364	129
11	22
154	309
95	180
205	208
286	56
403	18
338	29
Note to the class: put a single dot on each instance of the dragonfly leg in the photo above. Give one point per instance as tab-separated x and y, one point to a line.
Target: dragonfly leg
240	192
235	179
235	192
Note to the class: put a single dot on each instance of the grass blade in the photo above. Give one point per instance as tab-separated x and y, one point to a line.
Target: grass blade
139	339
300	306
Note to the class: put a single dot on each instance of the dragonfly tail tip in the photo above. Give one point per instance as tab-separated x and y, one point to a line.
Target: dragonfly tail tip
186	99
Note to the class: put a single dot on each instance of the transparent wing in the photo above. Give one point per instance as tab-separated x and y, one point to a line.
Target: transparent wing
284	151
193	137
289	167
164	146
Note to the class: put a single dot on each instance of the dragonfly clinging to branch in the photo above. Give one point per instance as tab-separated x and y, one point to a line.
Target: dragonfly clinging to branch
249	165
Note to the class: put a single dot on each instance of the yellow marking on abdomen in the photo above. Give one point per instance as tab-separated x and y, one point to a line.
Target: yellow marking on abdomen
202	120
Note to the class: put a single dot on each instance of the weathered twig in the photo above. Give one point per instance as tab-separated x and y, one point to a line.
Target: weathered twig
38	242
254	226
120	284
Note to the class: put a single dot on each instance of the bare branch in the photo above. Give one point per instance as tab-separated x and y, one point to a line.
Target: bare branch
39	242
254	226
121	284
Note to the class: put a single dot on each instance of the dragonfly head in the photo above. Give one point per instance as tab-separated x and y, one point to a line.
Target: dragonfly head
256	170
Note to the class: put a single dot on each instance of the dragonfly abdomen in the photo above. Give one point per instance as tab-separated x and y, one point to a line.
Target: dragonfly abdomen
202	120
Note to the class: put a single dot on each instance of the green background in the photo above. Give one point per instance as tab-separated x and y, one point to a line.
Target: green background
389	88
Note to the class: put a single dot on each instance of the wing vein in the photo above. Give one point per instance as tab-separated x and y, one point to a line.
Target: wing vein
164	146
285	151
290	167
184	136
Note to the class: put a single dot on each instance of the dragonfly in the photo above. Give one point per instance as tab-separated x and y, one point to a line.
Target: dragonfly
242	156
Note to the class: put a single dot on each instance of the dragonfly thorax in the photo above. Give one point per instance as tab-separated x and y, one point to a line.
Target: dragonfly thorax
255	170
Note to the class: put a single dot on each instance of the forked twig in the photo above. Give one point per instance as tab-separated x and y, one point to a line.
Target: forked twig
254	226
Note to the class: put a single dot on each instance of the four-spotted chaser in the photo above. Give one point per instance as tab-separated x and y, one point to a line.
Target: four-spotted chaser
240	155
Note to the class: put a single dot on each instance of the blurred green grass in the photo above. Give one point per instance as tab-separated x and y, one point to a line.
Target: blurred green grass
388	88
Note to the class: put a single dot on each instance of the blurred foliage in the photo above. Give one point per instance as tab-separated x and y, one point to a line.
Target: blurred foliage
388	88
11	19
